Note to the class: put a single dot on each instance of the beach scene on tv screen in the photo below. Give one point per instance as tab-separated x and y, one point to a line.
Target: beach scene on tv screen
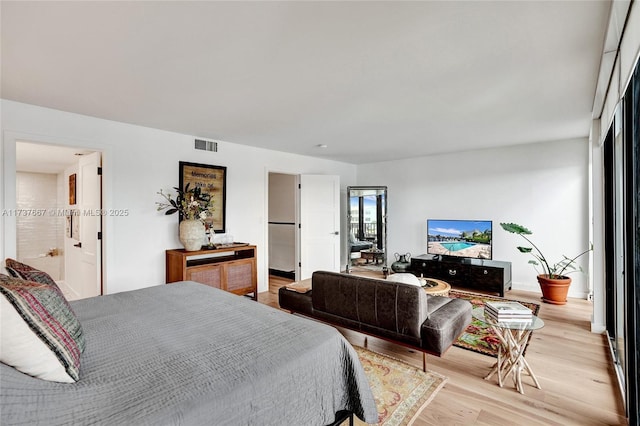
463	238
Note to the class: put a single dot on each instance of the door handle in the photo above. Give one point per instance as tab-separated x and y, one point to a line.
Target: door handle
78	245
336	233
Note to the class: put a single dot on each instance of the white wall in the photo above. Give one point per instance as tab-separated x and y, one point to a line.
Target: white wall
498	184
543	186
139	161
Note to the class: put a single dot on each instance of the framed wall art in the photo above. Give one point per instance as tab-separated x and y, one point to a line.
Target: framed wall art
211	180
68	226
72	189
75	224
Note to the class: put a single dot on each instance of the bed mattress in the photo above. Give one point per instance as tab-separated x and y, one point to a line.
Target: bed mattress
189	354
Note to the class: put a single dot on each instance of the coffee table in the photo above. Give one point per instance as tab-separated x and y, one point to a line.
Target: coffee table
513	338
435	287
377	256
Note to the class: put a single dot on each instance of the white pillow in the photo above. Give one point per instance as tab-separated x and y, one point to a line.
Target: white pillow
405	277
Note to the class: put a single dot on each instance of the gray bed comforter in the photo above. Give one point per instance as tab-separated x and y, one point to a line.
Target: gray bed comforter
188	354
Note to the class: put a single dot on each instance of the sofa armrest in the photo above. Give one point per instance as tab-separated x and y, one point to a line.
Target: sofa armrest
448	318
295	302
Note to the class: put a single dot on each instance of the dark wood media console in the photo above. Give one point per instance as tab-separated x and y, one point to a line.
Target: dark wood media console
474	274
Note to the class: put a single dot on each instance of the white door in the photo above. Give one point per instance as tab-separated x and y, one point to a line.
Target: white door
83	250
319	224
90	190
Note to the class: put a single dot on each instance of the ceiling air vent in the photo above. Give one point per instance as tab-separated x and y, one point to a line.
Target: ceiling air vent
206	145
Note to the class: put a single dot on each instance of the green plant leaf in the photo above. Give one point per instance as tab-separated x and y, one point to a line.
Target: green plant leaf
515	228
524	249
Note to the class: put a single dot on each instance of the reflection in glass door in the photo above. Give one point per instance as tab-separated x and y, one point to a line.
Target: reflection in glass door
618	293
622	244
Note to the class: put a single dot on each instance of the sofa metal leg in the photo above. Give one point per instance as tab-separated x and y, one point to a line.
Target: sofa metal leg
366	342
424	362
341	417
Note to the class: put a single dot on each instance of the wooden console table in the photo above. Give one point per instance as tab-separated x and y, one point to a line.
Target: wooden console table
376	256
231	269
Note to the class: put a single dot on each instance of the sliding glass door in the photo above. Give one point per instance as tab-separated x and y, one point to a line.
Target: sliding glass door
632	244
622	243
615	243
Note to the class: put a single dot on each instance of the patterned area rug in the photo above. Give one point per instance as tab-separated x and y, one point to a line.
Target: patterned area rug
401	390
478	336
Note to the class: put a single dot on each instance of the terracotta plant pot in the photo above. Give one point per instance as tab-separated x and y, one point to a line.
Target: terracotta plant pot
554	290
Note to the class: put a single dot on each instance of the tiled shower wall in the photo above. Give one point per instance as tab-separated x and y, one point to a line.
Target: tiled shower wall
40	229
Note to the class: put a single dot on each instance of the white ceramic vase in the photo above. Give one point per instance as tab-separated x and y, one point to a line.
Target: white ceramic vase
192	234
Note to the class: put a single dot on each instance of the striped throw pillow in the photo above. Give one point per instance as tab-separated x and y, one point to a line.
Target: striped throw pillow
26	272
39	332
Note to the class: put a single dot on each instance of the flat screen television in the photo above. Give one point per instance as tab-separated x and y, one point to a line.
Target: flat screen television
460	238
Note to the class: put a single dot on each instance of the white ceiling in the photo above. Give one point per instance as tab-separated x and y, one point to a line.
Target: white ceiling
372	80
39	158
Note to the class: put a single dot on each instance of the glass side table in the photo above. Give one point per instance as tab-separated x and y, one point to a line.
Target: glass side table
513	338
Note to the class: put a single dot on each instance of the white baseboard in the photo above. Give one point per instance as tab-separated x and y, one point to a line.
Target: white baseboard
534	287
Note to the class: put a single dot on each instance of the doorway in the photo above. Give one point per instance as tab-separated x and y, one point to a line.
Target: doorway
303	225
49	181
282	225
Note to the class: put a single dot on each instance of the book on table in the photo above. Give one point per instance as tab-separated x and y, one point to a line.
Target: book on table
507	311
508	318
510	308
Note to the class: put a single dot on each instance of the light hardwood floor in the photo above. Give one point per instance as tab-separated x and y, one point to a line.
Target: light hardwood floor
571	363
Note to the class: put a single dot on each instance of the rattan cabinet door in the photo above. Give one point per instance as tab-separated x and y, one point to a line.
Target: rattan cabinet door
211	275
240	276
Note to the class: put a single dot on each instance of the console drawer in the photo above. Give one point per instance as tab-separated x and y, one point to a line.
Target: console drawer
421	266
488	276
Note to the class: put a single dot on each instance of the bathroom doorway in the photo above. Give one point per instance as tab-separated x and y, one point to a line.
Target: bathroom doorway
50	189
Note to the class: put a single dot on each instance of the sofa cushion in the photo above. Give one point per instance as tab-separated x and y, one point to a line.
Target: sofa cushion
404	277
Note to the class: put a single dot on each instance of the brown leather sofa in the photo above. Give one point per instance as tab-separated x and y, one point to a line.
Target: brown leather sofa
398	312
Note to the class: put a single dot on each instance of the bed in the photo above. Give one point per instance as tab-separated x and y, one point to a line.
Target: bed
189	354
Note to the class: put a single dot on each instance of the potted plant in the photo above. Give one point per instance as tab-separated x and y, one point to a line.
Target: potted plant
194	207
553	279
